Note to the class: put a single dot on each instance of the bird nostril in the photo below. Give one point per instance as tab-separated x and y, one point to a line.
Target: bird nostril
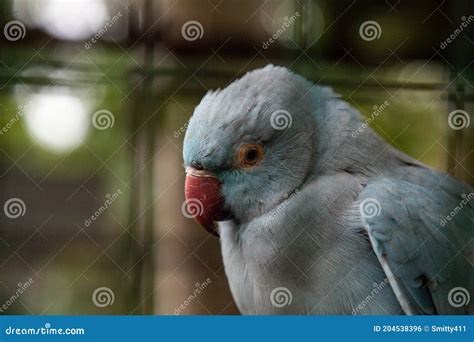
197	166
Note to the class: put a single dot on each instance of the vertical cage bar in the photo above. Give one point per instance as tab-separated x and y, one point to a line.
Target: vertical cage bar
143	130
459	58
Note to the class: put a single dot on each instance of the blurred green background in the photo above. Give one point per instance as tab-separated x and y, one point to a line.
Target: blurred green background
95	96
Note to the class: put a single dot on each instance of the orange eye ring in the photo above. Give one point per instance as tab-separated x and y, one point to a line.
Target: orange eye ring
250	155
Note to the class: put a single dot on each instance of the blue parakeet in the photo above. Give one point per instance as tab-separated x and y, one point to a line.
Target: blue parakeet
315	219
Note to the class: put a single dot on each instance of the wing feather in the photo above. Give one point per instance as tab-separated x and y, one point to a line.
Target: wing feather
423	254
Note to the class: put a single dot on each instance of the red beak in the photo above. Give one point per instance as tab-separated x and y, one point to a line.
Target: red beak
204	201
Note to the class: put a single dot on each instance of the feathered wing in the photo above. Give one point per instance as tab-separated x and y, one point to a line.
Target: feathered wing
426	256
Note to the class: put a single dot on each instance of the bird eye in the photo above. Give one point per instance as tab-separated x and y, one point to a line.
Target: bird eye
250	155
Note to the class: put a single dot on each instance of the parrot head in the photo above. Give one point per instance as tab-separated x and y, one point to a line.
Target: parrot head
249	146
